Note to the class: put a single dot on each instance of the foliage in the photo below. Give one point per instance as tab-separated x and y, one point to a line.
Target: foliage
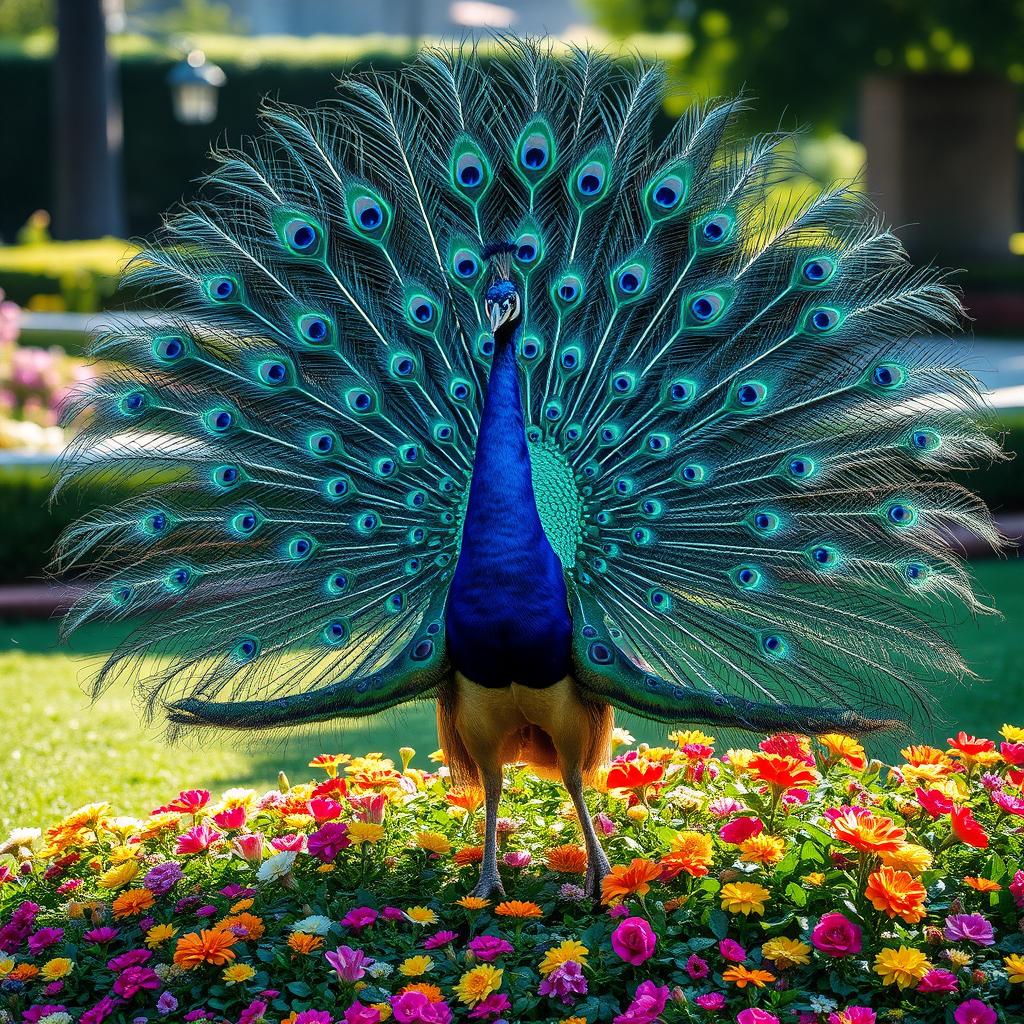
792	882
21	17
808	58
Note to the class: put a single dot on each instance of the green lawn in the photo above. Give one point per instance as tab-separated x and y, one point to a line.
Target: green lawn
59	752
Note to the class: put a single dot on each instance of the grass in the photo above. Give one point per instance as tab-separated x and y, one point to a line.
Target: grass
61	752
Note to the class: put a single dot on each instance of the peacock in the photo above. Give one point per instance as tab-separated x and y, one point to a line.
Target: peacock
468	386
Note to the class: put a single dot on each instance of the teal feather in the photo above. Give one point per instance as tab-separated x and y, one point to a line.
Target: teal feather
738	447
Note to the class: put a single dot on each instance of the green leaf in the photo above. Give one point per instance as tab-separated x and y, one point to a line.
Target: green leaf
796	894
718	922
299	988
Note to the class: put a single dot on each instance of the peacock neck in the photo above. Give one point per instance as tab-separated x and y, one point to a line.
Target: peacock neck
507	615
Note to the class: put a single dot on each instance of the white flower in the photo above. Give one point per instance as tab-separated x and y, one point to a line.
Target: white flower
56	1018
822	1004
21	839
276	867
380	970
315	925
683	796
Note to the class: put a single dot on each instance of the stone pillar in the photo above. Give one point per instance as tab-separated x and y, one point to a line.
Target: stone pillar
942	163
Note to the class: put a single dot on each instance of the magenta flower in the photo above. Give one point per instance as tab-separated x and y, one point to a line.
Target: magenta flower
357	1013
132	958
634	941
313	1017
197	839
97	936
349	963
517	858
739	830
648	1002
291	843
731	950
605	824
34	1013
44	939
439	939
697	968
253	1012
974	1011
99	1012
166	1004
496	1003
134	980
938	980
489	947
854	1015
836	935
969	928
1016	889
328	840
358	918
1008	803
565	983
710	1001
756	1016
416	1008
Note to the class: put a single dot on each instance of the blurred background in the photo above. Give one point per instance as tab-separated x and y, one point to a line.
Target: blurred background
109	109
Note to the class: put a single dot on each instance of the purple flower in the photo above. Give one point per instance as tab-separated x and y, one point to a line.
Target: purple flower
439	939
207	910
43	939
313	1017
732	950
133	958
162	878
565	982
236	891
166	1004
328	840
134	980
710	1001
938	980
98	936
22	921
570	892
198	1015
350	963
489	947
33	1014
697	968
358	918
969	928
101	1011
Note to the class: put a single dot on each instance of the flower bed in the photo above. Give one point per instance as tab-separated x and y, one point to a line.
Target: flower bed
794	883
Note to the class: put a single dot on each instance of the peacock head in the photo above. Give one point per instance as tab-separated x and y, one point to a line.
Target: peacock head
502	303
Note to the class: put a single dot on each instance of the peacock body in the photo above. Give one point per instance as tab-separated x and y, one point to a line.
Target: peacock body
464	386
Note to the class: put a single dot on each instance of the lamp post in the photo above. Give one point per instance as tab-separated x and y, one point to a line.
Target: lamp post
194	84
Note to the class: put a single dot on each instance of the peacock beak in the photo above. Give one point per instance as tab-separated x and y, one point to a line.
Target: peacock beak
497	314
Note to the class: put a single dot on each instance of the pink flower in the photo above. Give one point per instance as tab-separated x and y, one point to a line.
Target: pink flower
634	941
605	824
710	1001
324	808
98	936
253	1012
197	839
1009	804
648	1002
739	830
795	796
938	980
853	1015
134	980
328	840
132	958
723	806
517	858
1016	889
1013	753
357	1013
732	950
44	939
756	1016
369	808
439	939
358	918
313	1017
188	801
290	843
416	1008
836	935
249	847
100	1011
489	947
496	1003
934	801
232	817
697	968
349	963
974	1011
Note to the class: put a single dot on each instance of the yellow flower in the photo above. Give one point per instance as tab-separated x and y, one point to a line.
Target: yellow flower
406	754
421	915
844	748
477	984
907	857
815	879
573	1020
785	952
638	813
621	738
744	898
329	763
472	902
762	849
122	854
433	842
159	934
686	737
59	967
1014	963
570	949
384	1009
6	966
238	973
414	966
119	876
1012	734
904	966
365	832
958	958
739	759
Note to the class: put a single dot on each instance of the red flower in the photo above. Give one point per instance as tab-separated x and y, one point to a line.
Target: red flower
739	830
188	801
324	809
790	745
1013	753
934	801
634	774
782	771
970	745
966	829
233	817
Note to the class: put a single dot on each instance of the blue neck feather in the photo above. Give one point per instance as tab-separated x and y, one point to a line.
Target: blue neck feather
507	617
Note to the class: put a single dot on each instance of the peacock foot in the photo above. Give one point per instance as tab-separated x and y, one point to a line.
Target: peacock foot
597	868
489	885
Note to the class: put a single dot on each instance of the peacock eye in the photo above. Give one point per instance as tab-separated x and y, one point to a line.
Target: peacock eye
368	212
823	320
668	192
301	235
220	289
817	270
469	170
534	152
403	366
716	229
528	248
314	328
705	309
590	179
888	375
169	349
465	264
751	394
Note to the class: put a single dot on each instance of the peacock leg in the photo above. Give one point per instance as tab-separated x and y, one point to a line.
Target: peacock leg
597	859
490	881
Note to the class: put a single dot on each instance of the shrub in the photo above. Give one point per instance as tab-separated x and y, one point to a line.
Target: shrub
797	882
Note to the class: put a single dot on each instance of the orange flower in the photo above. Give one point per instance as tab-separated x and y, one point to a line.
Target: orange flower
210	946
472	902
921	753
846	748
132	902
518	908
305	944
781	771
624	881
468	855
634	774
762	849
567	859
691	852
24	972
432	992
982	884
897	894
866	832
741	977
244	926
329	763
469	798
